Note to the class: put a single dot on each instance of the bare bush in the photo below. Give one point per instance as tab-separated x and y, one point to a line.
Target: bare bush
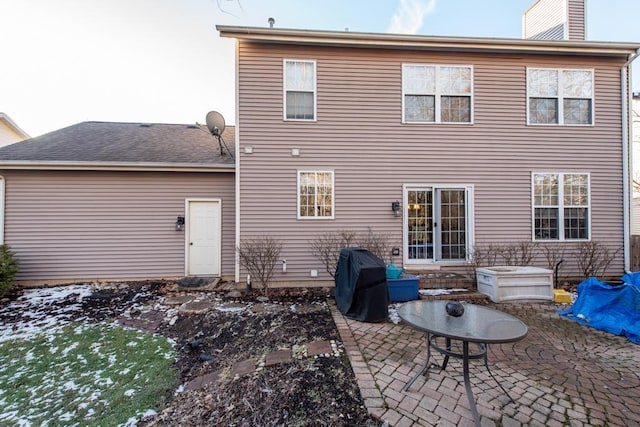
519	253
482	256
326	247
378	244
553	253
593	258
485	256
259	256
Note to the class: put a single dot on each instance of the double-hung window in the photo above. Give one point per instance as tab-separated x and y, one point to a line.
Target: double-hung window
561	206
299	90
315	194
557	96
437	93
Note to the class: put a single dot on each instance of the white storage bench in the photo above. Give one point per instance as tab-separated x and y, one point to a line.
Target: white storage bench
505	283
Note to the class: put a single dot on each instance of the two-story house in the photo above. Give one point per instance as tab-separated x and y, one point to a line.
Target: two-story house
440	143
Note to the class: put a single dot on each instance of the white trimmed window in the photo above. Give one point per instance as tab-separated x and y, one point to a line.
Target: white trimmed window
299	90
315	194
437	93
561	206
557	96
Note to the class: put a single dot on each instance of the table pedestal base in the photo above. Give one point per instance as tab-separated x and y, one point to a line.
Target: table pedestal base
465	355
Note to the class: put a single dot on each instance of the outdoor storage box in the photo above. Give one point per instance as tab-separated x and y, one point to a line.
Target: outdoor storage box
506	283
404	288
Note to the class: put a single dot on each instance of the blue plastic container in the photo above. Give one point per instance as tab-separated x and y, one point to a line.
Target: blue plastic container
404	288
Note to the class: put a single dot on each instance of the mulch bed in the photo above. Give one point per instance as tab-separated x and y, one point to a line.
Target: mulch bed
308	390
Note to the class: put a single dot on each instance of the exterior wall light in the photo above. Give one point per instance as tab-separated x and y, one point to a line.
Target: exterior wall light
395	207
180	223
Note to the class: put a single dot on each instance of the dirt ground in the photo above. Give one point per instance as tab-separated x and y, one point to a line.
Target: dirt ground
305	391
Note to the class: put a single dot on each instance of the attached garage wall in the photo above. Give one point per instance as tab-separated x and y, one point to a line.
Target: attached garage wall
108	225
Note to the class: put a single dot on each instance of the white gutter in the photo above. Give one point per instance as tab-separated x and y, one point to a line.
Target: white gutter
625	75
419	42
114	166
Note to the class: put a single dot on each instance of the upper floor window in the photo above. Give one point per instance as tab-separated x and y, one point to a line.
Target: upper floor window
437	93
299	90
315	194
557	96
561	206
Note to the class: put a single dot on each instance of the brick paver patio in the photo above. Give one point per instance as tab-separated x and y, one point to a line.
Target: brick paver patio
562	373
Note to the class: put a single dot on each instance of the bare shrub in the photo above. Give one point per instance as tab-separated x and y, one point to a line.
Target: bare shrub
482	256
519	253
486	256
594	257
326	247
259	256
378	244
553	253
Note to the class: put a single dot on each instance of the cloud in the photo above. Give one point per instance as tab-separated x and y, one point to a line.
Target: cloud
409	17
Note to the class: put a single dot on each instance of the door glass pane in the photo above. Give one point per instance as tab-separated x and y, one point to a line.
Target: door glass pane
420	224
453	227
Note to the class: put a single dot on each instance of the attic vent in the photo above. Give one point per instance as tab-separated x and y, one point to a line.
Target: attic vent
193	126
145	125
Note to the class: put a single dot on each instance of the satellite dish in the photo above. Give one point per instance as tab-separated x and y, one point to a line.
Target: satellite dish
215	123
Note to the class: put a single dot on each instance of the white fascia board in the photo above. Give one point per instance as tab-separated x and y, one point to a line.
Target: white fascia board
112	166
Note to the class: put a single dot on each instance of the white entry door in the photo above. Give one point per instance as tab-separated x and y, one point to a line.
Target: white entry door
203	237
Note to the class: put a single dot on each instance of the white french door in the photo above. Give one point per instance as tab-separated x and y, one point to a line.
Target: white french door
437	223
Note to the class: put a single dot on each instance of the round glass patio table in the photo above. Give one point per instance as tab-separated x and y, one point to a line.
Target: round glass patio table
451	335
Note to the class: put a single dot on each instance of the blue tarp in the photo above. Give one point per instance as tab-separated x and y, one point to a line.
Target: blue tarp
611	308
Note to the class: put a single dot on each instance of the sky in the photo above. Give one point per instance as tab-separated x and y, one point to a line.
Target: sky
162	61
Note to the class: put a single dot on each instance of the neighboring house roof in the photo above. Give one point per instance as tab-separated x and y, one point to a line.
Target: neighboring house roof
109	145
417	42
10	132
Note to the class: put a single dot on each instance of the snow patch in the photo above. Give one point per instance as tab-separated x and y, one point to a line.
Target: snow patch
434	292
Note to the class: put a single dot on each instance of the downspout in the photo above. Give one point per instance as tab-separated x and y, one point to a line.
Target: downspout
625	76
237	176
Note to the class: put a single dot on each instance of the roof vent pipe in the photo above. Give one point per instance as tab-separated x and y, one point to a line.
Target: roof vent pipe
271	22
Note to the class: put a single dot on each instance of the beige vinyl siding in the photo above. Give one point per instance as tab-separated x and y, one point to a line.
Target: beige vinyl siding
8	135
577	18
106	225
359	135
635	217
555	20
546	20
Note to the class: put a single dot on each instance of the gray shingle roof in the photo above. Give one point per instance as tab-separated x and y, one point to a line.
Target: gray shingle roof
124	143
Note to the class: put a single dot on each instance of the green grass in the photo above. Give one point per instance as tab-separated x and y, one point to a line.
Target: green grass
99	375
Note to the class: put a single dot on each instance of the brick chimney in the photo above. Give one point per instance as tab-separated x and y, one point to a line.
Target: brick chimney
555	20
